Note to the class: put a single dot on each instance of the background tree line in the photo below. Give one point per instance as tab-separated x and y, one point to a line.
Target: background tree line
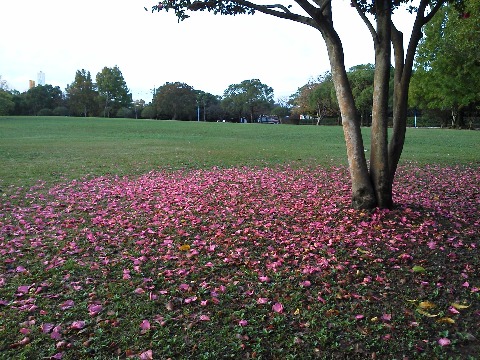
444	88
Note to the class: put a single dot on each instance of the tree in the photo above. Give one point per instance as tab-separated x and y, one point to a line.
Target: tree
371	185
43	97
149	112
447	68
282	108
113	91
208	105
6	103
81	94
176	101
361	81
249	98
316	98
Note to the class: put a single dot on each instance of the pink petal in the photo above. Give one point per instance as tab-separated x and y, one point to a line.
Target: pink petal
145	325
147	355
277	307
452	310
387	317
23	289
77	325
306	283
184	287
94	309
243	323
261	301
56	335
67	305
204	318
444	342
47	327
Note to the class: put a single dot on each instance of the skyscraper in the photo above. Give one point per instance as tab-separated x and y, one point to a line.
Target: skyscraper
41	78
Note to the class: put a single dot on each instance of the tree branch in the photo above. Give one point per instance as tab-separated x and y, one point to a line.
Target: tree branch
280	6
365	20
433	11
270	10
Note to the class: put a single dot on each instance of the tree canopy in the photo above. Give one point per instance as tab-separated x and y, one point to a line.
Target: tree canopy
82	94
113	90
175	101
250	98
44	97
447	67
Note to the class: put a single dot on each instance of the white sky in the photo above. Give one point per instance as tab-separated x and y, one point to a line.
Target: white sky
208	52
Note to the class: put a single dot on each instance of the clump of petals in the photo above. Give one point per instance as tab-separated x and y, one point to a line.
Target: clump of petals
277	307
444	342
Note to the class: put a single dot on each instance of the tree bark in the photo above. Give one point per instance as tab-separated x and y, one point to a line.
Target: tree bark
363	196
379	170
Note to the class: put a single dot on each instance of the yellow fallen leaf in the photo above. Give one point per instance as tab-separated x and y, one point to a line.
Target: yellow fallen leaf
185	247
296	312
460	306
446	320
424	313
426	305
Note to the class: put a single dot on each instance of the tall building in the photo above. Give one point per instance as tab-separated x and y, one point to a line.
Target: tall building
31	84
41	78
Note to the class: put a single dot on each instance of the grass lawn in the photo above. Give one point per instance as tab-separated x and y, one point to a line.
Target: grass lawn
58	149
157	239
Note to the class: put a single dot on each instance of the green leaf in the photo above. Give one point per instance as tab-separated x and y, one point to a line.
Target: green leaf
418	269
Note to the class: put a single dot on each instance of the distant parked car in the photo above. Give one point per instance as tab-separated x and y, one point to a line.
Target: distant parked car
268	119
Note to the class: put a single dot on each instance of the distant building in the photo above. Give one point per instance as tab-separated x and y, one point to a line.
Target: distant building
41	78
31	84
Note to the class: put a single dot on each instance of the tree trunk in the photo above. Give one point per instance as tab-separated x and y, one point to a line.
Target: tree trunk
363	196
379	170
402	76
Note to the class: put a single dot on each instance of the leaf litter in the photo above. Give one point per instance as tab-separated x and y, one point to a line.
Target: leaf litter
268	261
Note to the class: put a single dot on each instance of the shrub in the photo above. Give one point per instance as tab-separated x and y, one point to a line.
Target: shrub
60	111
149	112
45	112
124	113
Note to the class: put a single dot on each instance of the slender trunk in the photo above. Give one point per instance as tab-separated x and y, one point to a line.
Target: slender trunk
402	76
379	170
363	196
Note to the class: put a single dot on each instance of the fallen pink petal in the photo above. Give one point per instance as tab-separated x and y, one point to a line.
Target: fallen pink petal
275	253
146	355
77	325
444	342
94	309
145	325
277	307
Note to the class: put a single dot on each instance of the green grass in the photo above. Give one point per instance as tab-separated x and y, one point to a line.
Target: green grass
55	149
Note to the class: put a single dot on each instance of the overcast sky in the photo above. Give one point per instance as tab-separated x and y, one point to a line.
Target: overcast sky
208	52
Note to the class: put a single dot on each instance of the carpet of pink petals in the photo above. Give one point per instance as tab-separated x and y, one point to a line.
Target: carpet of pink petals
188	238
